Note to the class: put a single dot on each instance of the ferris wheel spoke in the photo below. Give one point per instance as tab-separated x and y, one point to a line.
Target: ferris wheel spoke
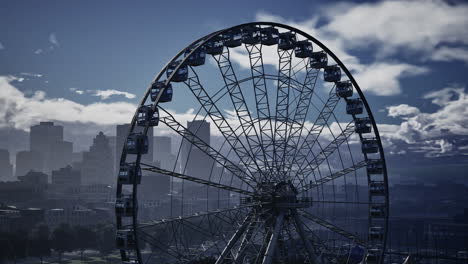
173	124
333	176
313	134
333	228
300	114
300	229
154	169
240	106
262	101
193	83
273	239
282	107
325	153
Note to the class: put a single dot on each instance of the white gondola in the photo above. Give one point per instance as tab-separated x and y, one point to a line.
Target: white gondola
318	60
124	206
233	38
370	145
362	125
287	41
197	58
215	46
377	210
137	143
146	116
251	35
354	106
270	36
129	173
125	239
332	73
344	89
182	73
303	49
375	166
166	96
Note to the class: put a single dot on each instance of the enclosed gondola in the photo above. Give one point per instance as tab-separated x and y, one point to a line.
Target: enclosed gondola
287	41
362	125
332	73
370	145
318	60
166	96
377	188
377	210
233	38
182	73
215	46
376	232
147	116
251	35
344	89
137	143
375	166
303	49
270	36
129	173
197	57
125	239
354	106
124	206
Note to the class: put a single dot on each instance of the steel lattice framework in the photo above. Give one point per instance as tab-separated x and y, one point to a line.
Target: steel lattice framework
296	173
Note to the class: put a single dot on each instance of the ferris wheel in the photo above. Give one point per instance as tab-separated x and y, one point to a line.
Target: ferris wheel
279	161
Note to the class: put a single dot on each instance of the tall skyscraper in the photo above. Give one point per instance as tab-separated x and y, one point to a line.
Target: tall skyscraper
6	169
47	139
98	163
163	152
27	161
121	137
194	161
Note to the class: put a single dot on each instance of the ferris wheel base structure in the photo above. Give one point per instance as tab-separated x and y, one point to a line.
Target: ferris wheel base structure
300	163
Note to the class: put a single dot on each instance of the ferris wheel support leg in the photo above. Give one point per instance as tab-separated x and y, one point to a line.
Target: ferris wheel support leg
233	240
270	251
301	232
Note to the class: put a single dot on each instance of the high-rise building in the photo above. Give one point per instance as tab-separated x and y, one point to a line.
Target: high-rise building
98	163
6	169
27	161
163	152
47	139
66	177
195	162
121	137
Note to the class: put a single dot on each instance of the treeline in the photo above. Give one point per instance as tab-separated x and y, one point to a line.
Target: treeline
42	242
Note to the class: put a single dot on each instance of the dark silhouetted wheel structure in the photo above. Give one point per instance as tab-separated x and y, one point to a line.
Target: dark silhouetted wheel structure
294	170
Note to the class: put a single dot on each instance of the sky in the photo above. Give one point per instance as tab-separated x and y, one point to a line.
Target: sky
88	63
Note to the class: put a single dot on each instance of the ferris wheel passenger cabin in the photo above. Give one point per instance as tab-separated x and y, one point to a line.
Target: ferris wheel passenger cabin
318	60
344	89
251	35
124	206
270	36
375	166
197	58
182	73
370	145
137	143
146	116
215	46
303	49
354	106
125	239
287	41
233	38
129	173
332	73
362	125
166	96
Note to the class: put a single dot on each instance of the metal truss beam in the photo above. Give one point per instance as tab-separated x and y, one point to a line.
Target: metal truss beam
173	124
333	228
193	83
302	234
194	179
270	251
240	106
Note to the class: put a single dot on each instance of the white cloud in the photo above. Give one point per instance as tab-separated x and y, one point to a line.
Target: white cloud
402	110
1	46
420	26
20	112
37	75
78	91
38	51
450	119
53	39
105	94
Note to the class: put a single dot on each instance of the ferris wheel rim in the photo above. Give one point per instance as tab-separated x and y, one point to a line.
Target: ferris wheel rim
199	43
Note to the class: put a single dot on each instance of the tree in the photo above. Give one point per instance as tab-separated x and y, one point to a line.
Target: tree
39	244
85	239
63	240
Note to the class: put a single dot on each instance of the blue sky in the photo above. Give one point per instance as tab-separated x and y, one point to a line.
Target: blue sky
98	57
